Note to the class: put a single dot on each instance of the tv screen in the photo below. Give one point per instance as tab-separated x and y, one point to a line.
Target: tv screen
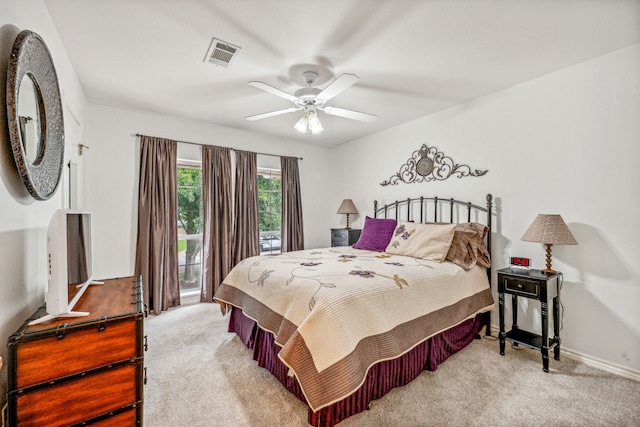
69	260
78	254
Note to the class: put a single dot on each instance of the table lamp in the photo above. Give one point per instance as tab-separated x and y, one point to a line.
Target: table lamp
347	207
550	230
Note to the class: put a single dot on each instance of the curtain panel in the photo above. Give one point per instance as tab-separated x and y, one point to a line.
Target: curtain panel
292	229
217	219
156	245
246	207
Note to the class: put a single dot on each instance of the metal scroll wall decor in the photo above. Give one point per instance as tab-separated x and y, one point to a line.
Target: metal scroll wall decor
34	115
428	164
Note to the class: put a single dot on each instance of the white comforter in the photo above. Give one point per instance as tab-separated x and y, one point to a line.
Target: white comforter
337	311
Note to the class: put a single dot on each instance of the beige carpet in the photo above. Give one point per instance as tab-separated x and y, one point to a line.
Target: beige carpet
200	375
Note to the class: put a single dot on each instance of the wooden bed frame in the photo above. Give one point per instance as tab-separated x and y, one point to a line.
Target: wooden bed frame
385	375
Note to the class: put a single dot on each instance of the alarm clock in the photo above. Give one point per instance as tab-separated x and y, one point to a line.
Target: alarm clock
520	263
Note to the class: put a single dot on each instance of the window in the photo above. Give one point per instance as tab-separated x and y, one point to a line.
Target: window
189	228
269	210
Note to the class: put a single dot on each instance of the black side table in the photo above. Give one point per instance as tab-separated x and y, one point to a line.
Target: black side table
533	284
344	236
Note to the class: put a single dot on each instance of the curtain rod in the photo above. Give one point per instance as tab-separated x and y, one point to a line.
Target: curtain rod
231	148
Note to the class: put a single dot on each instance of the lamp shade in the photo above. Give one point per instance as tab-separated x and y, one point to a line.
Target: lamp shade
549	229
347	207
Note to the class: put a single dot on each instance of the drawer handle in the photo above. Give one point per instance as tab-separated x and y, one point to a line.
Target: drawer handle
102	324
146	344
144	380
61	331
519	286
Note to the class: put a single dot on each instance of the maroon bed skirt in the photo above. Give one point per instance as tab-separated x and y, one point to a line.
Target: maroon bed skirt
381	378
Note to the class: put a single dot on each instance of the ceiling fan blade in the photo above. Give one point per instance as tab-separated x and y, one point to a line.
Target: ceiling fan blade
274	90
345	81
349	114
273	113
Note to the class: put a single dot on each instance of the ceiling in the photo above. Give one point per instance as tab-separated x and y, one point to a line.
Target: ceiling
413	58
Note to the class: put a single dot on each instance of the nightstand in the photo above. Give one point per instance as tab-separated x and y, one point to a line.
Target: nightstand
533	284
344	236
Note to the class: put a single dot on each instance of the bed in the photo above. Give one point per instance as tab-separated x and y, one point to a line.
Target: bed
340	327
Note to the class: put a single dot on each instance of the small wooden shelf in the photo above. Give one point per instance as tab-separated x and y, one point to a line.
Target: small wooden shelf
526	338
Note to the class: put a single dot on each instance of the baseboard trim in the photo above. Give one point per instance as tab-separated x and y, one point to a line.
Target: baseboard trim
605	365
592	361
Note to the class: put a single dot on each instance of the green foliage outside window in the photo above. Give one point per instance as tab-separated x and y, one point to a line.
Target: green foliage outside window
190	218
270	203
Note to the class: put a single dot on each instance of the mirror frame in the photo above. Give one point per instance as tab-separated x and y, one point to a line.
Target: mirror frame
30	56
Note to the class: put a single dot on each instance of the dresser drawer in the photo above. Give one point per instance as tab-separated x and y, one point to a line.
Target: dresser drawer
344	236
70	402
339	234
524	287
339	237
79	350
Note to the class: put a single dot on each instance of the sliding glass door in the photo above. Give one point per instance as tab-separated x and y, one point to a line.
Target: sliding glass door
189	229
269	210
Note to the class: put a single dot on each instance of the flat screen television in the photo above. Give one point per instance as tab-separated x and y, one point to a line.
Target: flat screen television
69	263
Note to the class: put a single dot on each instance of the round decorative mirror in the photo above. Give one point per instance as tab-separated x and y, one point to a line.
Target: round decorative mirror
29	117
34	115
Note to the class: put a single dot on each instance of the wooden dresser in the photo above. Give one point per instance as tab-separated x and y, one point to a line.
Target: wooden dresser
84	370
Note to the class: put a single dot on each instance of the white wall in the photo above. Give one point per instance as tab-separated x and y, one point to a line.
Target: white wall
566	143
23	221
111	168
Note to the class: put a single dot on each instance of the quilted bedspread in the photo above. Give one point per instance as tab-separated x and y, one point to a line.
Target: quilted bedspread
337	311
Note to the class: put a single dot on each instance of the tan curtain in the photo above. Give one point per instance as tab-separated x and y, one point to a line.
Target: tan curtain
157	241
217	220
292	230
246	207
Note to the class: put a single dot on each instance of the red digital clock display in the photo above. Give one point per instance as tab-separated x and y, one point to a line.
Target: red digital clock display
522	262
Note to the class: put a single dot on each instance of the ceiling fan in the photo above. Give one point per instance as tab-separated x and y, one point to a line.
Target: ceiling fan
311	99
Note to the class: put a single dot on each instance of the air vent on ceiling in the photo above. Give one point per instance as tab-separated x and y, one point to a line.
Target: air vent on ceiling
221	53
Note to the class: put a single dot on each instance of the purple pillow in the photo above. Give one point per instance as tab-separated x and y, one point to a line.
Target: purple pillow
376	234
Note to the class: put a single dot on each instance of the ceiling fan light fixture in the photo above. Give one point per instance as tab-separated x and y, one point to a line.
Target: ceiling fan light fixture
301	126
309	123
313	123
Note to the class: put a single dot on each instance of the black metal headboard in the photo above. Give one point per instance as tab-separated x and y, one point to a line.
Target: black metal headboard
408	209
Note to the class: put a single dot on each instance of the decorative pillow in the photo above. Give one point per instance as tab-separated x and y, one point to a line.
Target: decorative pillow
481	229
468	247
426	241
376	234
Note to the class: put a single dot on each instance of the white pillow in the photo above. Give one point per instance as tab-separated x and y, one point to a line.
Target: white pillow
426	241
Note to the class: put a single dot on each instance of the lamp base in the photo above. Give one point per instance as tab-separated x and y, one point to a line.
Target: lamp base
548	270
